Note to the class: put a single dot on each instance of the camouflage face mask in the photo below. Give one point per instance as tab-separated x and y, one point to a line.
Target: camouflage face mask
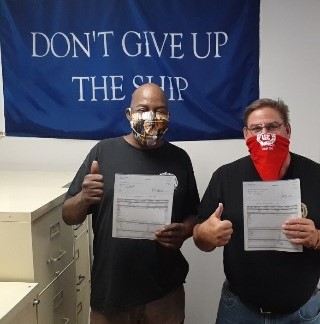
148	127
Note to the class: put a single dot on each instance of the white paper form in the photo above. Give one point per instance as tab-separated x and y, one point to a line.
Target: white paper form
142	204
266	206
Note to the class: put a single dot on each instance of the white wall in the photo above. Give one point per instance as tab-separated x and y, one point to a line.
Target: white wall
289	69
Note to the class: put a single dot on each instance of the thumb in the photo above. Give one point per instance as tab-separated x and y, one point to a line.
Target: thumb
218	211
95	168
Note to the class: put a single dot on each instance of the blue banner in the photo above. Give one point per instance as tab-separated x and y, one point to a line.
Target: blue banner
70	67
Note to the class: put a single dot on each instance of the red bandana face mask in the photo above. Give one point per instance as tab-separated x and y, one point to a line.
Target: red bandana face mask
268	153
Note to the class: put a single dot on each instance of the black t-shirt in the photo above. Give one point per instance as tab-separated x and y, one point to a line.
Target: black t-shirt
274	280
129	272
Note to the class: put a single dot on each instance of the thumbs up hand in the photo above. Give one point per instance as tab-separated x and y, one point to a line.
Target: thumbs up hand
95	167
92	186
218	212
216	231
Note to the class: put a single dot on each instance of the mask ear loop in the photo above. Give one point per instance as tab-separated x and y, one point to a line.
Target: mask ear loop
128	112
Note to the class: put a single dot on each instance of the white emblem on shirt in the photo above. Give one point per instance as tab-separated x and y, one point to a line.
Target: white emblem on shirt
170	174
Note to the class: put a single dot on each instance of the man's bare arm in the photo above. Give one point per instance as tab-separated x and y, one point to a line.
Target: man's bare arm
76	209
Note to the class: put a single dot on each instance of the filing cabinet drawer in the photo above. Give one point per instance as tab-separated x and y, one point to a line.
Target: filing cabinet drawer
57	303
52	246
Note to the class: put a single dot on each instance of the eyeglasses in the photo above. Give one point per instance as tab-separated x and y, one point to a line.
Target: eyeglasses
273	127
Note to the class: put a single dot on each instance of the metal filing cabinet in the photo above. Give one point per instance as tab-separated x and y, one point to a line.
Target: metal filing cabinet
37	246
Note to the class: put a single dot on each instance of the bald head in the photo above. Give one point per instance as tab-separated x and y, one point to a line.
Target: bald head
151	94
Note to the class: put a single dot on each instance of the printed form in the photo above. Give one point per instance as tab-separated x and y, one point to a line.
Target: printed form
142	204
266	206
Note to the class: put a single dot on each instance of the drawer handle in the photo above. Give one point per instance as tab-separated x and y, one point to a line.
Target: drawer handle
62	253
81	278
65	320
76	227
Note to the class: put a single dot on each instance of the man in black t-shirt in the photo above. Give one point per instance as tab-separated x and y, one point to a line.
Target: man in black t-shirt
136	280
264	284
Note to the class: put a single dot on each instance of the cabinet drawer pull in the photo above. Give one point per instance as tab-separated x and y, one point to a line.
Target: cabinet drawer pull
62	253
81	278
76	227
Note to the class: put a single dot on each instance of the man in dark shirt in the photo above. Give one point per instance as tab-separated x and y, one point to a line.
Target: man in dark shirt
264	286
136	280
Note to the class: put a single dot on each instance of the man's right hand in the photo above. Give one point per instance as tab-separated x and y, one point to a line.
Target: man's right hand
213	232
76	208
92	186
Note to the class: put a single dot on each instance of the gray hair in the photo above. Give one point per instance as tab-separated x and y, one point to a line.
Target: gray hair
277	105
